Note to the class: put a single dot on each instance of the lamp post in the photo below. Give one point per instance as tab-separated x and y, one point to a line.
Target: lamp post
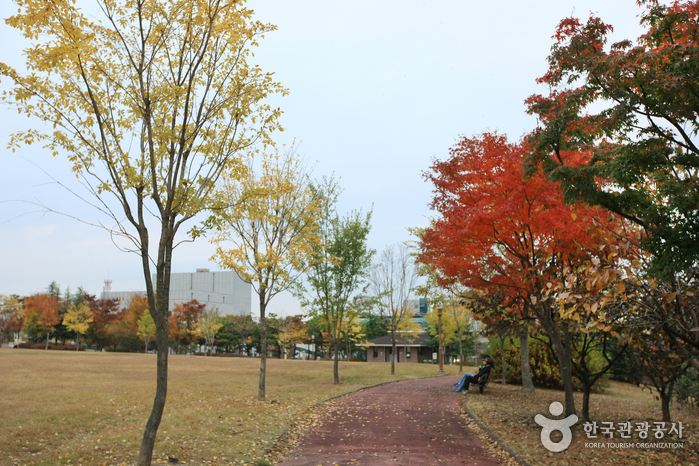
441	356
313	340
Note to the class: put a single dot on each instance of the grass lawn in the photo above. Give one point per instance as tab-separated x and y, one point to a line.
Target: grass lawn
509	414
69	408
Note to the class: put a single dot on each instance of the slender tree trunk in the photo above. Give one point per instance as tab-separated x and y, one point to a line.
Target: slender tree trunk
48	336
77	343
527	383
336	362
563	356
393	352
504	362
263	346
159	313
461	351
587	388
665	398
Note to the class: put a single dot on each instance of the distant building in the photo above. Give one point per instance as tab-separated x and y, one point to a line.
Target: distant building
409	348
419	308
222	290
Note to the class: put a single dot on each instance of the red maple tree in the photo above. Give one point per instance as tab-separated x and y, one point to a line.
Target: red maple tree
501	231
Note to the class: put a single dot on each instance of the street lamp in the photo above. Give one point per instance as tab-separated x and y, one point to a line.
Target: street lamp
441	356
313	341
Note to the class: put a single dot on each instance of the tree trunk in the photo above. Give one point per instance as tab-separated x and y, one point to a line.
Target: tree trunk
336	363
393	352
586	401
527	383
564	358
48	336
665	398
159	313
461	351
504	365
263	346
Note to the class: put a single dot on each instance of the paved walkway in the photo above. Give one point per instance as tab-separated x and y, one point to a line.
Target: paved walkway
413	422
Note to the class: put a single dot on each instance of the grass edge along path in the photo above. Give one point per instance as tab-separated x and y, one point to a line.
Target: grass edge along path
487	436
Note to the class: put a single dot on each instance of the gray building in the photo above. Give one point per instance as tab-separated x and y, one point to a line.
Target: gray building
222	290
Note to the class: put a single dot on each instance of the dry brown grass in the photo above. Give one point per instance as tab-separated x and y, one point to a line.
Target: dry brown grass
509	414
63	408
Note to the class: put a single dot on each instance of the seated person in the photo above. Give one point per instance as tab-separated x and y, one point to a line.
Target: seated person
482	374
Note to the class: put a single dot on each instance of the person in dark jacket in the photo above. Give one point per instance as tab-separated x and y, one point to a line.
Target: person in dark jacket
480	376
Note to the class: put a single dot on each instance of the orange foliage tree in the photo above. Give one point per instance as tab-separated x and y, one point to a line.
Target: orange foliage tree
42	311
183	319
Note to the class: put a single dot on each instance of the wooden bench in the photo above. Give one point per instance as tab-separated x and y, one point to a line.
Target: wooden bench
481	386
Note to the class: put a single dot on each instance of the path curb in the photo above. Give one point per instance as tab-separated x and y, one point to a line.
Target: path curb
493	437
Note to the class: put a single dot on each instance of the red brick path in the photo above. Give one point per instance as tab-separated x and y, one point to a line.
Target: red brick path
413	422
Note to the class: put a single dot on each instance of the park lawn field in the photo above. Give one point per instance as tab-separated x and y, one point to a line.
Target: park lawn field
509	414
69	408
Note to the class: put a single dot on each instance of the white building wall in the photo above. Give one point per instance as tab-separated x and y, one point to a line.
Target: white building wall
222	290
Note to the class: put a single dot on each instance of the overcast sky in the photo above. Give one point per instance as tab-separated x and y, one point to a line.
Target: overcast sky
377	90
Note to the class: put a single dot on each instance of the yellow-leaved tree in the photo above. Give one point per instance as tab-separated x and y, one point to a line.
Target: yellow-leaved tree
209	323
268	231
78	319
352	328
150	100
457	318
146	329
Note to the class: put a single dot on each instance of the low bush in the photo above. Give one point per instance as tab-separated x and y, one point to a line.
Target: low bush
542	361
67	347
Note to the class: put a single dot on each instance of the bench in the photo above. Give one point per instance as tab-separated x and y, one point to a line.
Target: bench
481	386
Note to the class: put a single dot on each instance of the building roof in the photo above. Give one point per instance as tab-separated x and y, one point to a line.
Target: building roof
421	339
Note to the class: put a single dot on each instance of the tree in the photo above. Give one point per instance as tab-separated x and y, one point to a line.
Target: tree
151	102
42	309
78	319
184	318
124	330
209	323
503	233
270	225
644	156
352	330
340	263
146	329
374	326
392	280
453	298
105	314
236	332
661	367
292	331
9	313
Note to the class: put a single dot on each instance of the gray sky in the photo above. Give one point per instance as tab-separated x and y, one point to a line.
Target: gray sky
377	90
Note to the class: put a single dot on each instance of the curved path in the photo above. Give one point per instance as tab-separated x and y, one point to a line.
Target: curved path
412	422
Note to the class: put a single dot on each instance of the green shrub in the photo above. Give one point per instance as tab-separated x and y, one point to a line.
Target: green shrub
542	361
687	388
